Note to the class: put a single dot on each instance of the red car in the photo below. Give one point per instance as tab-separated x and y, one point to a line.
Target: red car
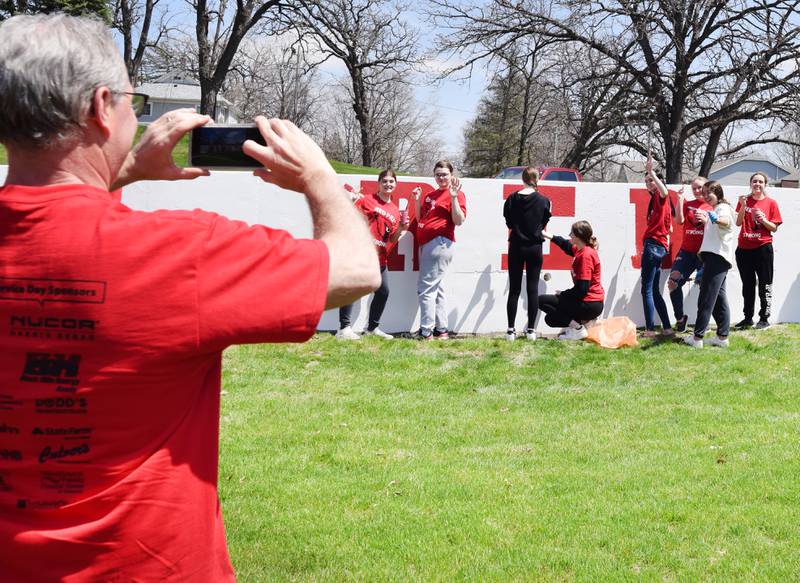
545	173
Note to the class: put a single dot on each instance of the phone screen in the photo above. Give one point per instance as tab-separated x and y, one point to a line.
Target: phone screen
221	146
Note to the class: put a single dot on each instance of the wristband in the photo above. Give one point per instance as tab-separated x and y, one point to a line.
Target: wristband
713	216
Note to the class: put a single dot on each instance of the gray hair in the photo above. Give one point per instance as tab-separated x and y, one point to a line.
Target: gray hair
50	67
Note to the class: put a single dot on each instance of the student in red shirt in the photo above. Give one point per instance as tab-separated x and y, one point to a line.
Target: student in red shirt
759	217
656	243
583	302
688	258
386	227
114	320
438	214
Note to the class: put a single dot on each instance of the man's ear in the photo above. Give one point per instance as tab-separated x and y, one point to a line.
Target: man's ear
100	113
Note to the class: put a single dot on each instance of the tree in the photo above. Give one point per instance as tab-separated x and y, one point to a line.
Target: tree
686	67
134	18
219	30
369	37
402	132
9	8
275	81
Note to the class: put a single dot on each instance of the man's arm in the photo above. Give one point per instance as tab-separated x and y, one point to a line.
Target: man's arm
293	161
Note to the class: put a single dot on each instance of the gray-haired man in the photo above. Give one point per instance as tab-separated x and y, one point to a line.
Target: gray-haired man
113	320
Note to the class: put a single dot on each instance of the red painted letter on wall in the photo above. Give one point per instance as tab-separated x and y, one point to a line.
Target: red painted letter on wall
562	199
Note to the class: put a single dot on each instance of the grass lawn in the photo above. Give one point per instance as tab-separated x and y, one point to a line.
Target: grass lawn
479	459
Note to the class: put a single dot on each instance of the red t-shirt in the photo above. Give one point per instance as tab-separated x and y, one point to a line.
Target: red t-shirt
384	221
112	323
436	216
586	267
659	219
753	234
693	229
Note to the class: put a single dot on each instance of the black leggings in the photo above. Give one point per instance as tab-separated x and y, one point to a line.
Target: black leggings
752	264
530	259
375	308
560	310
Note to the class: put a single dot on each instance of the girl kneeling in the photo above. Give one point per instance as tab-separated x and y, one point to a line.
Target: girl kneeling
584	300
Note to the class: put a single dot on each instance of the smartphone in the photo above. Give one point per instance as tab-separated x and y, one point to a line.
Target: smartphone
220	146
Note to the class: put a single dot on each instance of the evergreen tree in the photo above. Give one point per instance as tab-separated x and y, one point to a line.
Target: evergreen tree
9	8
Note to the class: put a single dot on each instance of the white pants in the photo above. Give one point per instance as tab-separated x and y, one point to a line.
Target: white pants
435	257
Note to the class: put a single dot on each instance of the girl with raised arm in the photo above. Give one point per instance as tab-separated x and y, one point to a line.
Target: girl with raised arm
656	244
583	302
438	214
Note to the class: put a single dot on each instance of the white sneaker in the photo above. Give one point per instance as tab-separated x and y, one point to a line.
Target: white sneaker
530	334
379	333
717	341
574	334
511	335
347	333
693	342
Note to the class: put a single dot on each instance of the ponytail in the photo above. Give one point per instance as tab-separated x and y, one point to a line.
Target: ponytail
583	231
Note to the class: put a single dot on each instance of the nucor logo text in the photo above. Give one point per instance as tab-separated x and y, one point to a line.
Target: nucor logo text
52	323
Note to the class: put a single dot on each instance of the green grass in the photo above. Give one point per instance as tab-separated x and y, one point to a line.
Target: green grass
479	459
344	168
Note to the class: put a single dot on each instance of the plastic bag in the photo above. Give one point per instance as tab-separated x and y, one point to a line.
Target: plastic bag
613	333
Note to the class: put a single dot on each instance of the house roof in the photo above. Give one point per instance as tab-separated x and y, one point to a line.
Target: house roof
793	177
717	166
175	91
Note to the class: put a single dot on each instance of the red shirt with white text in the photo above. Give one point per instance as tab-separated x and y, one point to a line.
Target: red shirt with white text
112	326
436	216
383	219
693	229
753	234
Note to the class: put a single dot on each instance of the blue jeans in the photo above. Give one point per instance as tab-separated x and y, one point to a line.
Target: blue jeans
684	265
435	257
652	255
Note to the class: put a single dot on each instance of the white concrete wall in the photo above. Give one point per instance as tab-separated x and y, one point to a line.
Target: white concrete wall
476	284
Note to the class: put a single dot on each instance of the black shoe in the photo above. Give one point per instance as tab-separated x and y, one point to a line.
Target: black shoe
744	324
680	325
762	325
443	333
422	336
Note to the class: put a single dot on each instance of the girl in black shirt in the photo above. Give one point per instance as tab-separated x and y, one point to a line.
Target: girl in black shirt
526	213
